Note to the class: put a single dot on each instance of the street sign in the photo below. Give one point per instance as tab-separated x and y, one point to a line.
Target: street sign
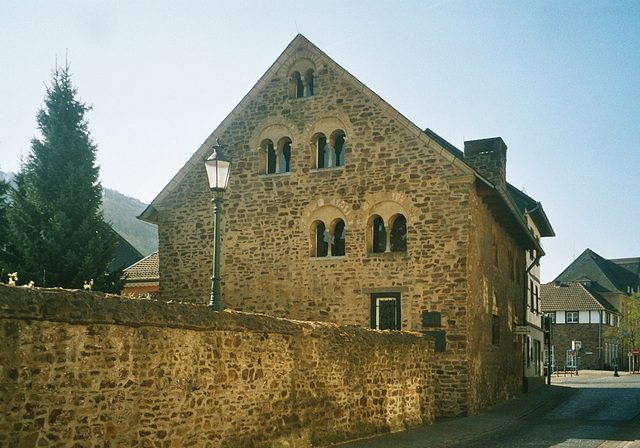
635	352
576	345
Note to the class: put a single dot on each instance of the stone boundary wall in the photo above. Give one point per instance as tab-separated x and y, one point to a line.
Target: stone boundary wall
81	369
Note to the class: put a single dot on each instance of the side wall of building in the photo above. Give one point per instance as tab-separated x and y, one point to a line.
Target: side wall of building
495	306
85	369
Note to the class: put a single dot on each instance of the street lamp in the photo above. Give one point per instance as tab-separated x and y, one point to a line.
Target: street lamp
217	167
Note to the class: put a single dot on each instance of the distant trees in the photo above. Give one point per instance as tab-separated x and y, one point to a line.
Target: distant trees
55	230
629	330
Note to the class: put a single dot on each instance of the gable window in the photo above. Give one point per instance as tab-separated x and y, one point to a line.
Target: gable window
285	157
398	236
571	317
379	235
385	311
337	151
301	84
338	239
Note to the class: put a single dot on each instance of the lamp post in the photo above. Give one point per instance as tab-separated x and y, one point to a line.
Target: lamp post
217	167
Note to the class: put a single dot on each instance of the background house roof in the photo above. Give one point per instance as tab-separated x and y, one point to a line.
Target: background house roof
572	297
144	270
605	276
125	254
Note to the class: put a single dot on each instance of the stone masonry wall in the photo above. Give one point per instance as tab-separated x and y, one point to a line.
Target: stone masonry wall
89	370
267	219
496	288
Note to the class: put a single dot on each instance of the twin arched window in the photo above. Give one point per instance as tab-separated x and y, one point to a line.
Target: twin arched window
330	153
329	242
276	159
301	84
393	241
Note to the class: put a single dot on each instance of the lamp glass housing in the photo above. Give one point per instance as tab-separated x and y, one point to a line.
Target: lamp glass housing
217	171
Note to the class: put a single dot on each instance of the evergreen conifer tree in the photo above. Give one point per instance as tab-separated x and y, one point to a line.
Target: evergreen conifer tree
56	227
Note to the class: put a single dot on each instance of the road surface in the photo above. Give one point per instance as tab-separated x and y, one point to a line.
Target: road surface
594	409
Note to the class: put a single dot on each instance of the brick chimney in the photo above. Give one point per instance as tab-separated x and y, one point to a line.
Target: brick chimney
489	158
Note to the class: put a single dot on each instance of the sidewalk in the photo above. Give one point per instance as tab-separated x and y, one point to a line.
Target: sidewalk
447	431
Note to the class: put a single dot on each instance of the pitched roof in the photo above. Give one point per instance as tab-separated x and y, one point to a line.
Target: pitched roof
439	145
605	276
529	206
572	297
125	254
632	266
144	270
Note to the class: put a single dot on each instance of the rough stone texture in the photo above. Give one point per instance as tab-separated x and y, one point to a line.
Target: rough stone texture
496	369
79	369
389	165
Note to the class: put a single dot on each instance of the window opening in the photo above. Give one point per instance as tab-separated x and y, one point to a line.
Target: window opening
285	158
308	83
337	152
379	235
495	330
385	311
571	317
271	158
322	241
323	152
338	239
398	237
299	85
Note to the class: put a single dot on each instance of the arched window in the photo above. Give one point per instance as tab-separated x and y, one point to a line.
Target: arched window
285	157
299	85
271	158
308	83
398	236
322	160
338	239
322	240
337	152
379	235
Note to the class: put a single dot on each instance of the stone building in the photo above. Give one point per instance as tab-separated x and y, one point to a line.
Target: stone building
340	209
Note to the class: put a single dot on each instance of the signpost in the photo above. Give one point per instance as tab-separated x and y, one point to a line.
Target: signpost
576	346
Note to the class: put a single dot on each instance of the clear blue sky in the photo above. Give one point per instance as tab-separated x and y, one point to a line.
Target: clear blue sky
559	81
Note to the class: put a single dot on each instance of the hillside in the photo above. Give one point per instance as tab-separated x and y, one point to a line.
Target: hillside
121	211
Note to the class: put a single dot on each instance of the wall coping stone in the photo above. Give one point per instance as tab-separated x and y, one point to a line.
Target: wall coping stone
94	308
